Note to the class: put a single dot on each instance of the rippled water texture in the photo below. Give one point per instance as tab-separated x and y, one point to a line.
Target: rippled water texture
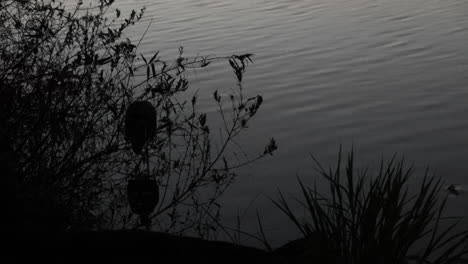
385	75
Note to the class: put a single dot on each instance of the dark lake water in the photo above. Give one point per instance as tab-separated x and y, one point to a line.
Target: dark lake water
387	76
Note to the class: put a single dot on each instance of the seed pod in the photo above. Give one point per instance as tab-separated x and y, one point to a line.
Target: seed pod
143	196
140	124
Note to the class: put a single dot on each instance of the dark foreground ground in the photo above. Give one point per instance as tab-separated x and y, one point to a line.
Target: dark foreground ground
132	247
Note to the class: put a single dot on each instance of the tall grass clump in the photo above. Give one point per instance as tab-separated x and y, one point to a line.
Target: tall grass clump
375	218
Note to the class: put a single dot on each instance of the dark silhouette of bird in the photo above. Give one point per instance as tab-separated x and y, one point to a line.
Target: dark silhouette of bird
140	124
453	189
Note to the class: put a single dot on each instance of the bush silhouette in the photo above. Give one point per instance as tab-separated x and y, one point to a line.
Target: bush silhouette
67	79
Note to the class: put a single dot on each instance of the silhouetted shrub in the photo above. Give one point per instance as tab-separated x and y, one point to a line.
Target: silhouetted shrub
66	79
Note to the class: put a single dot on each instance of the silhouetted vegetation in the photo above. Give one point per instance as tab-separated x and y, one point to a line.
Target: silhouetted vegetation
374	218
67	78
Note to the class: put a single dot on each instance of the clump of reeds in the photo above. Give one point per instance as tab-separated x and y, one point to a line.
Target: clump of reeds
377	218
